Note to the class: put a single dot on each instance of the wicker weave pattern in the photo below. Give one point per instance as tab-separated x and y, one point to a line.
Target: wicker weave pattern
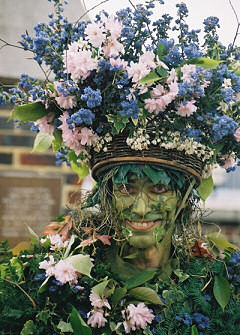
119	152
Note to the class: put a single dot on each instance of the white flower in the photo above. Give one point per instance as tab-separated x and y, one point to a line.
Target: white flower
97	301
65	273
48	266
97	319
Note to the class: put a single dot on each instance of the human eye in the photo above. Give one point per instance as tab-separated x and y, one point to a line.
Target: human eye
158	189
127	189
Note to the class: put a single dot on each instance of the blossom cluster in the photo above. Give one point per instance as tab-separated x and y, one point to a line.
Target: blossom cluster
120	71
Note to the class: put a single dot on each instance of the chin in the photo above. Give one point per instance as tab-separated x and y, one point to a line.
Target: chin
142	242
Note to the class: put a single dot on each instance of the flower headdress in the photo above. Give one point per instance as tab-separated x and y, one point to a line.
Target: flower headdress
122	75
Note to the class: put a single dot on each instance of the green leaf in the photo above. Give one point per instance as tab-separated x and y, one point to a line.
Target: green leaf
118	294
205	188
149	78
145	294
70	243
28	329
181	275
43	287
44	316
42	142
18	266
81	263
81	169
65	327
221	291
34	239
29	112
194	330
57	141
99	288
79	326
220	241
163	73
3	271
156	175
160	51
139	279
206	63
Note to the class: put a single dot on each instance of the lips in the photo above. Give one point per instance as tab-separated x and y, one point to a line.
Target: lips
141	225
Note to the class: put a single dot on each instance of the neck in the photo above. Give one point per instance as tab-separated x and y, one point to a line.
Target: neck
153	256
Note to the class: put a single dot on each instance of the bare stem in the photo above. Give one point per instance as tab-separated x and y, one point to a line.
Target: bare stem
89	10
6	44
238	23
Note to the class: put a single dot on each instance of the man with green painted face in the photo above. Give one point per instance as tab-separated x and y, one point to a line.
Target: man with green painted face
146	201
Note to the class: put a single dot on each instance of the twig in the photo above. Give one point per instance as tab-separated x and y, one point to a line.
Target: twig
238	23
89	10
9	45
13	283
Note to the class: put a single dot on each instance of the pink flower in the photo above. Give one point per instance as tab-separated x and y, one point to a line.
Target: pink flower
65	273
237	134
79	63
71	138
172	76
118	62
187	71
155	105
187	109
137	317
98	302
112	48
97	319
94	32
173	88
87	136
57	242
158	91
66	102
113	26
48	266
45	124
227	163
136	71
148	59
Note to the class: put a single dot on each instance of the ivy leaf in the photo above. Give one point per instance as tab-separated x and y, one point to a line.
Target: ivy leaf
221	291
42	142
149	78
29	328
139	279
206	63
79	326
118	294
145	294
18	266
205	188
81	263
65	327
156	176
29	112
194	330
220	241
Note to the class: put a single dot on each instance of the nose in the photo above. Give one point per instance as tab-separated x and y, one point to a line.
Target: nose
141	206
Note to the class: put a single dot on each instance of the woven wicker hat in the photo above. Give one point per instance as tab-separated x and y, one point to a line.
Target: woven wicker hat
118	153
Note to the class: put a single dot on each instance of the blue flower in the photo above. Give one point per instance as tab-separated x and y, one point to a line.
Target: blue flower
81	116
91	97
130	108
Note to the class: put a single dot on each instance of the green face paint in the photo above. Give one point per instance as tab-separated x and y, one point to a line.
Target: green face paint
146	210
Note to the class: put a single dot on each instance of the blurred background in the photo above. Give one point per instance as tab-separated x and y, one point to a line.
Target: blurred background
33	190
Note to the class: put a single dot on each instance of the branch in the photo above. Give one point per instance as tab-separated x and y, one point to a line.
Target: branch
89	10
9	45
238	23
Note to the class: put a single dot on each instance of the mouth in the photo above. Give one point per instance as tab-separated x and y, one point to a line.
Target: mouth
141	225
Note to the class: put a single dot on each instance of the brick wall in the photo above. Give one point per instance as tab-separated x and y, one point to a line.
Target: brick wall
15	155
